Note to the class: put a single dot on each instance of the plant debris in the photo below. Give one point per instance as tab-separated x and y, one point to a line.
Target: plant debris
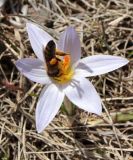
104	27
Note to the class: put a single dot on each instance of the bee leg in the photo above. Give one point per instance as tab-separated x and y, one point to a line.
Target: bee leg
60	53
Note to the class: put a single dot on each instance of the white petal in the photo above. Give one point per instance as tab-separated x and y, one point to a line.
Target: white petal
38	39
33	69
83	94
99	64
69	43
48	105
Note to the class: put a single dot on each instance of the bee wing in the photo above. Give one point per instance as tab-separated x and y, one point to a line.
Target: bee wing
50	50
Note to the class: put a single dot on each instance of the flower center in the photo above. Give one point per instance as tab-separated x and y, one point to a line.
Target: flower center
65	71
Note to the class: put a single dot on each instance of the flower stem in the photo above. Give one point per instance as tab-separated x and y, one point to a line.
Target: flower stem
69	107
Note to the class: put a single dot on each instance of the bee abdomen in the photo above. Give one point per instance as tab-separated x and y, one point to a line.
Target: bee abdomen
53	73
52	70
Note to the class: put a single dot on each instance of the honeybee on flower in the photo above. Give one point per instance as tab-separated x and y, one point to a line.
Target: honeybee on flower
63	74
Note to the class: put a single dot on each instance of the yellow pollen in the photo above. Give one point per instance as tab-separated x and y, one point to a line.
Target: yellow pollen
65	70
53	61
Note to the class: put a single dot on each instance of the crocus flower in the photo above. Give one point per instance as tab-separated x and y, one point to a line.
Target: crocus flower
72	81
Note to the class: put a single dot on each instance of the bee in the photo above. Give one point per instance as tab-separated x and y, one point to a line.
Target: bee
52	59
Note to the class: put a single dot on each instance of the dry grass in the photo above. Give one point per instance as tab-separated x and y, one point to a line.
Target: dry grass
104	27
